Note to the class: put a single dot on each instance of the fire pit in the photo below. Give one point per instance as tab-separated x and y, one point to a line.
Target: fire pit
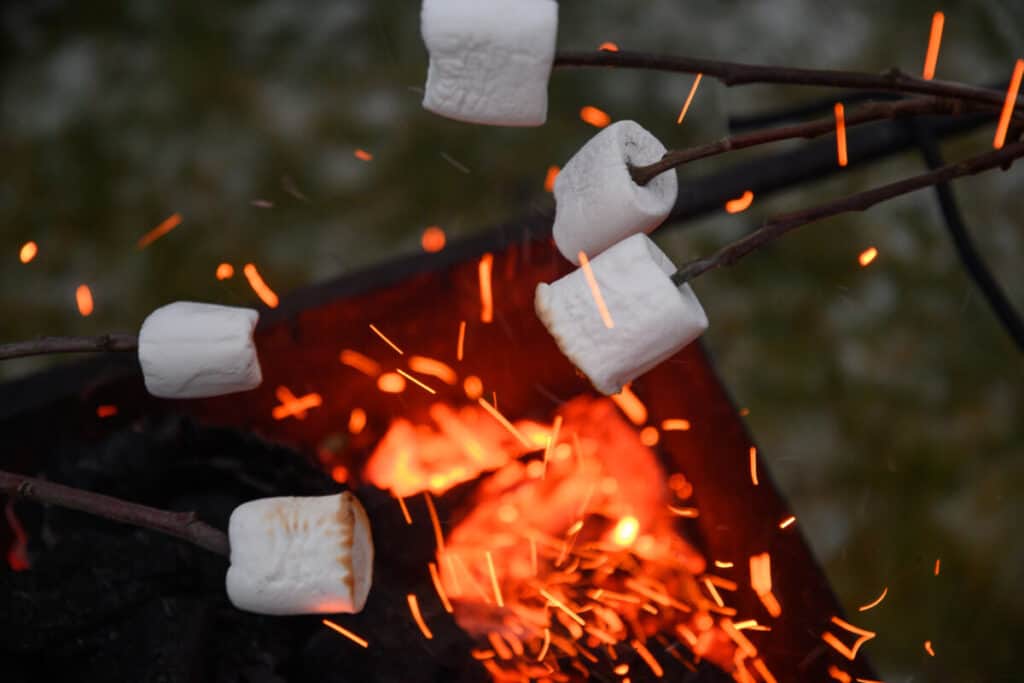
526	528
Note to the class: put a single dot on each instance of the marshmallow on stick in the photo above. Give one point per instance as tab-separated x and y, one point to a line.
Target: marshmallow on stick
193	350
652	318
597	203
300	555
489	61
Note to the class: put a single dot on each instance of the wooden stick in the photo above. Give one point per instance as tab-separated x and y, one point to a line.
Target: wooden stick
46	345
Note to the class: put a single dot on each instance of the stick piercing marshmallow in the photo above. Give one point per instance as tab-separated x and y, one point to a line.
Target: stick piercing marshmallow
489	61
597	203
300	555
652	318
192	350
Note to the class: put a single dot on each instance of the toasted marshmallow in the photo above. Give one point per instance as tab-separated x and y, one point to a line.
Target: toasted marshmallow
300	555
489	61
597	203
193	350
652	318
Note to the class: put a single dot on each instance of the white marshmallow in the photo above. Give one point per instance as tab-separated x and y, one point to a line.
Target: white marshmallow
300	555
653	319
193	350
490	61
597	203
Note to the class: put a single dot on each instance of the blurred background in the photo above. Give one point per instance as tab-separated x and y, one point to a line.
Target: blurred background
887	399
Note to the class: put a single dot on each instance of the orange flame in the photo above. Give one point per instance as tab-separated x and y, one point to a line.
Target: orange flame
689	99
1008	105
433	239
595	116
262	289
83	297
28	251
934	40
741	203
168	224
840	134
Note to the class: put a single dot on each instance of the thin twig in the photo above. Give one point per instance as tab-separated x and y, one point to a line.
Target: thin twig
873	111
971	259
45	345
735	73
860	201
183	525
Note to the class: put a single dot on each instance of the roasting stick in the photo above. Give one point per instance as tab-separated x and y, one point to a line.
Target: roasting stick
52	345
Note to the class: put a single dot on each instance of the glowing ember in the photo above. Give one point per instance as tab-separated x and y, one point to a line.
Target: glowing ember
626	531
414	607
83	297
1008	105
391	383
761	582
473	387
28	251
339	473
689	99
741	203
876	602
169	223
753	465
787	521
608	46
649	436
435	576
434	368
549	179
362	155
106	411
460	345
356	421
938	566
840	134
928	648
292	406
393	345
839	646
415	381
934	40
867	256
433	239
486	296
595	117
345	632
675	425
358	361
838	674
721	564
17	556
225	271
631	405
263	291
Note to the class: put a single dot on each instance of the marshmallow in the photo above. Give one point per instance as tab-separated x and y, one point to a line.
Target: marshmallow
489	60
652	318
300	555
597	203
192	350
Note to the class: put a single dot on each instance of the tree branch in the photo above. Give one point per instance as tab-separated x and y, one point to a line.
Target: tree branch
735	73
873	111
183	525
46	345
860	201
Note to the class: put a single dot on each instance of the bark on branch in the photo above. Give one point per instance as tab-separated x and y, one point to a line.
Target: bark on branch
48	345
183	525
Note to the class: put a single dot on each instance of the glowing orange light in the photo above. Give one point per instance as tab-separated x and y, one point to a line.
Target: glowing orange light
494	580
544	648
169	223
339	473
414	607
761	582
737	636
840	134
595	117
689	99
434	368
17	555
435	576
225	271
263	291
608	46
721	564
473	387
741	203
928	648
626	531
405	510
415	381
504	422
868	680
28	251
292	406
387	341
621	669
356	421
713	592
631	405
787	521
839	646
434	521
106	411
460	345
363	155
549	179
595	291
762	669
646	655
689	513
1008	105
83	297
753	465
867	256
838	674
649	436
934	40
358	361
391	383
876	602
433	239
345	632
486	296
675	425
938	566
562	606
